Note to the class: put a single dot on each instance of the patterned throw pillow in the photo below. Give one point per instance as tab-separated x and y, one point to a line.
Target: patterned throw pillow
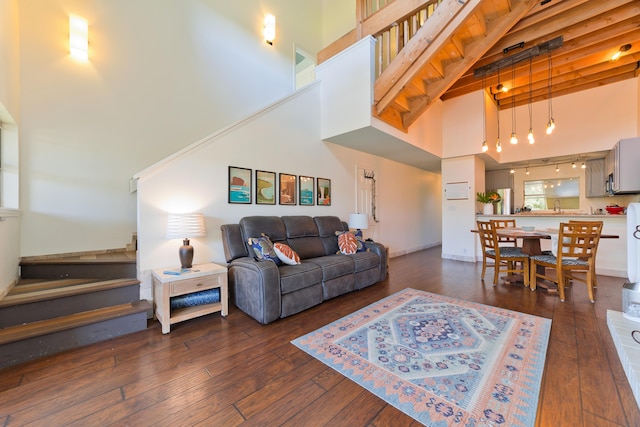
347	242
286	254
263	249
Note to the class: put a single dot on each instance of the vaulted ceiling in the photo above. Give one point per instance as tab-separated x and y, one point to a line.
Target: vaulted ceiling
440	58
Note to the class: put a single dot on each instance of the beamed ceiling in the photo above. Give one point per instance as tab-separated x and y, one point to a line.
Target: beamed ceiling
461	36
592	32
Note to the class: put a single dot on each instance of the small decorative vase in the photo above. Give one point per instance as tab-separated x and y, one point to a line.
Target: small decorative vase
487	209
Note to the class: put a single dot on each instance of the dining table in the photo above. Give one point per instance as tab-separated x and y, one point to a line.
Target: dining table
531	246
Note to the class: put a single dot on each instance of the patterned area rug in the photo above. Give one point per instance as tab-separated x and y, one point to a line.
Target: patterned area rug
440	360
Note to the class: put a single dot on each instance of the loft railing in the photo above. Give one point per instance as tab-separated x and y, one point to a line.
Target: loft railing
391	22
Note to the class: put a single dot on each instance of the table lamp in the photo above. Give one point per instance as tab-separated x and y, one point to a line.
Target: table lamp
359	221
184	226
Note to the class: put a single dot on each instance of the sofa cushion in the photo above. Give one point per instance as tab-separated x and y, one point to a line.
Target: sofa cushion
255	226
263	249
327	227
365	261
334	266
286	254
296	277
302	236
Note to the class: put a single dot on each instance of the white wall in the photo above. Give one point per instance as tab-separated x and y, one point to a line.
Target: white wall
458	216
283	138
161	75
9	113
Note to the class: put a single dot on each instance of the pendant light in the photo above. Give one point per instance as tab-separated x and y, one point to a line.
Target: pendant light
551	125
514	137
530	134
498	145
485	147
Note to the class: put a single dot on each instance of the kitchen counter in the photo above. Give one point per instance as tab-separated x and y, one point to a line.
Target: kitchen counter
612	253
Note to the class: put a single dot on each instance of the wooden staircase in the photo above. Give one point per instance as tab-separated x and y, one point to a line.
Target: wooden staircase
68	302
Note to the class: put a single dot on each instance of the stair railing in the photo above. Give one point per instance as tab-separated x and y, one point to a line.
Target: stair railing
391	22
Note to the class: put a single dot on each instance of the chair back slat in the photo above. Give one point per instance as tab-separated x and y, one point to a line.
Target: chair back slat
487	235
579	239
504	223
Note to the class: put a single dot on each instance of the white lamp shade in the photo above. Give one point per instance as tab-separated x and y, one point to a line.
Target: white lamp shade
359	221
181	226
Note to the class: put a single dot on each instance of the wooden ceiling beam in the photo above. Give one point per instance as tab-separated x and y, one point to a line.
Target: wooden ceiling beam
476	49
623	30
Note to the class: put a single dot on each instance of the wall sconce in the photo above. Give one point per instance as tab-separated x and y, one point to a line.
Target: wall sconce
78	38
184	226
269	30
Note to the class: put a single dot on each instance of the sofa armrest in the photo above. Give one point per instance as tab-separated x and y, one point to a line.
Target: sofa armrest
256	288
381	251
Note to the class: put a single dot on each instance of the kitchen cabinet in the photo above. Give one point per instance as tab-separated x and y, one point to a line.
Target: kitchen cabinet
595	178
625	176
497	179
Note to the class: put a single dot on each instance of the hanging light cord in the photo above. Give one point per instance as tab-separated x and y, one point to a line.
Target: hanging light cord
530	93
513	99
484	109
550	84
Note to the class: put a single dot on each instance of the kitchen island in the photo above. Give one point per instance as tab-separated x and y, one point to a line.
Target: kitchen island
612	253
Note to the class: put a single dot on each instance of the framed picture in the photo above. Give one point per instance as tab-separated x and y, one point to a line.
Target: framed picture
265	188
306	190
324	191
287	189
239	185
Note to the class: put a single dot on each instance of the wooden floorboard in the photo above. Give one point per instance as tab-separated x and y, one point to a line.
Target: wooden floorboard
233	371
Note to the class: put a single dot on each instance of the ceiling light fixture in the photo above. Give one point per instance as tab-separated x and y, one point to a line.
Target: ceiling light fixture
514	137
498	145
551	125
583	166
530	136
512	170
619	52
527	170
485	147
573	165
557	168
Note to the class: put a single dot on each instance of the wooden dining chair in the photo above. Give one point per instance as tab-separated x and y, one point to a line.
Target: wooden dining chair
504	257
595	274
505	223
577	247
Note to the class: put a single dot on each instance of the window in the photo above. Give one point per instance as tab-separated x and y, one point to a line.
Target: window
548	194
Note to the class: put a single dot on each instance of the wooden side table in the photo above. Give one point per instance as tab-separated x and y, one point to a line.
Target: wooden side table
200	277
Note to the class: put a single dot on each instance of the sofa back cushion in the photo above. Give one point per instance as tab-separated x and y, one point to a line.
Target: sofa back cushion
302	236
255	226
327	227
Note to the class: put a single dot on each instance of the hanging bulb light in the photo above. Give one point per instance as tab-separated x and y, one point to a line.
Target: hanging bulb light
557	168
498	145
527	171
583	166
573	165
551	125
485	147
514	137
530	134
512	170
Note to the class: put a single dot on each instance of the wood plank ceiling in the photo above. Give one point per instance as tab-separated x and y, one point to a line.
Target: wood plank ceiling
438	62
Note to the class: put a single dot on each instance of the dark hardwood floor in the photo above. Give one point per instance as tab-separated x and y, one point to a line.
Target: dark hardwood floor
215	371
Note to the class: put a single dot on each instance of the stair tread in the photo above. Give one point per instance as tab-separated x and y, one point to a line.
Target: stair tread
43	327
31	285
57	292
